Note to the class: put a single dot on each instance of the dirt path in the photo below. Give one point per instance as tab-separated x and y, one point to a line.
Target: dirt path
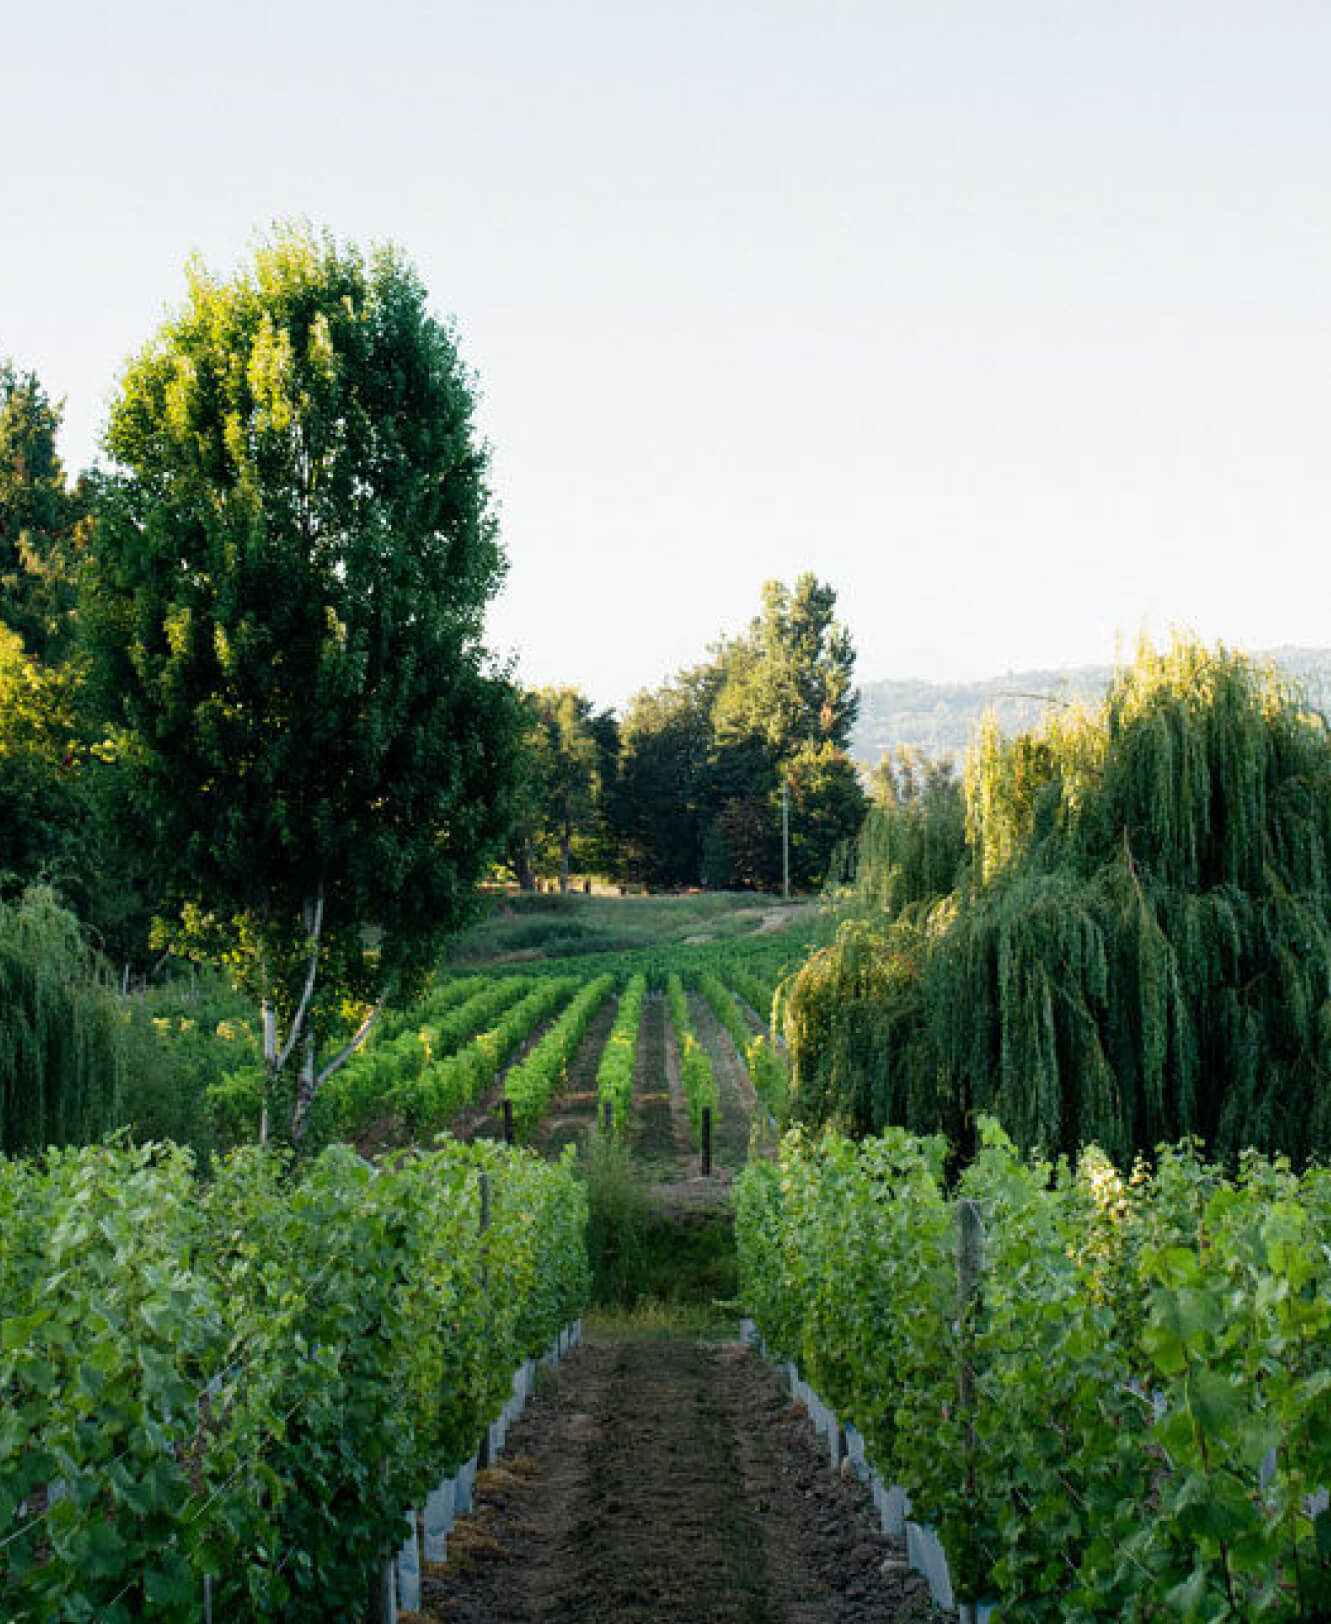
573	1111
669	1480
660	1145
730	1146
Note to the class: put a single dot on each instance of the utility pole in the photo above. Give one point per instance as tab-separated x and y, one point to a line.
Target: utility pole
785	839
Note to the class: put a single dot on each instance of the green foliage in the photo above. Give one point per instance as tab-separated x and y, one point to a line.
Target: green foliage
911	849
199	1383
191	1059
430	1089
722	1003
614	1075
1146	1411
42	522
534	1081
40	807
284	606
61	1032
704	757
790	680
618	1220
826	810
765	1067
1138	946
665	744
569	767
700	1090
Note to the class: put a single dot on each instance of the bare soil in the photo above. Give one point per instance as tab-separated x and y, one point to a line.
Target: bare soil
730	1140
666	1481
659	1129
573	1111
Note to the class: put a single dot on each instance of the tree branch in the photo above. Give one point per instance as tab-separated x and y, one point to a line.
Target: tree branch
302	1009
358	1037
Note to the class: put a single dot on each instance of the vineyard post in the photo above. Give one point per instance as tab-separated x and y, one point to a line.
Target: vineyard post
508	1120
970	1266
608	1115
706	1140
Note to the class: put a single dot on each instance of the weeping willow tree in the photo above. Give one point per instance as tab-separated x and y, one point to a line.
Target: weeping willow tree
1138	945
61	1035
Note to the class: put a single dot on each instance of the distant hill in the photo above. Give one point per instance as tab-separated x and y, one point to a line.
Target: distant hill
939	717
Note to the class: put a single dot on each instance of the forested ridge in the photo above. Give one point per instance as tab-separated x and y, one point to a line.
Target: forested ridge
940	719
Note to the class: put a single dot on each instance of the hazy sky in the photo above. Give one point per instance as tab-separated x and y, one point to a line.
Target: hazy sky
1011	320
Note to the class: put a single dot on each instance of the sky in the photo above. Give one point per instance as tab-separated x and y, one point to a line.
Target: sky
1012	321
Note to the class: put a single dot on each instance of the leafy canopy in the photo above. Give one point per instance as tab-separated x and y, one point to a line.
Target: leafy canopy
285	609
1133	945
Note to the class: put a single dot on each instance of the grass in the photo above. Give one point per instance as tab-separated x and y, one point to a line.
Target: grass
652	1318
547	925
642	1255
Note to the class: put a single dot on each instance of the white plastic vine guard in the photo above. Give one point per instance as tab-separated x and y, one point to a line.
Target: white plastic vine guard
439	1521
409	1570
925	1553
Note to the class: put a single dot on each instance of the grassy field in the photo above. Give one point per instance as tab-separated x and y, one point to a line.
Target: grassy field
542	925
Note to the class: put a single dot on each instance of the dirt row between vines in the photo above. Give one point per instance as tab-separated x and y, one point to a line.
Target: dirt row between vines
669	1480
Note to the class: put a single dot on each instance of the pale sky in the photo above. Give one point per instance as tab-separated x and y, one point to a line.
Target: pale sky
1011	320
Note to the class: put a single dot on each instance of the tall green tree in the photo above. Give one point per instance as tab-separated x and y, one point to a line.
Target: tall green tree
285	608
566	749
790	678
569	790
666	740
62	1036
43	527
39	787
783	714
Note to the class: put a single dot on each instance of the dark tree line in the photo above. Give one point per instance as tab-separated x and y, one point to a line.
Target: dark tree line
686	788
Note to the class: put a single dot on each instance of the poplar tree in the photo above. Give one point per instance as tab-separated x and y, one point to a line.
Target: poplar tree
285	609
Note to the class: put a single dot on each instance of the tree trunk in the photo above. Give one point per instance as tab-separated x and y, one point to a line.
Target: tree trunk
565	842
304	1089
269	1016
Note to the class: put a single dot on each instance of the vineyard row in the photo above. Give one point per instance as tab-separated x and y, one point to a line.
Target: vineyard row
1111	1396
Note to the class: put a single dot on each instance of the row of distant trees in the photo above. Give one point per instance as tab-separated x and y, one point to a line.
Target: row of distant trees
684	790
687	788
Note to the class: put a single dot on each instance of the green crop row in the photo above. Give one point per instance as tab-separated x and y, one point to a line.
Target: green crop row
447	1085
387	1074
754	989
614	1076
247	1379
1130	1415
437	1001
766	1070
700	1091
724	1007
532	1084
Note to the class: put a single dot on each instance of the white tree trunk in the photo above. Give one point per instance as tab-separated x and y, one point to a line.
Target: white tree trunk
269	1066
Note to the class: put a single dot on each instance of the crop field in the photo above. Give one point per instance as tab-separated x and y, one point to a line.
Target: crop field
1046	1393
160	1452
